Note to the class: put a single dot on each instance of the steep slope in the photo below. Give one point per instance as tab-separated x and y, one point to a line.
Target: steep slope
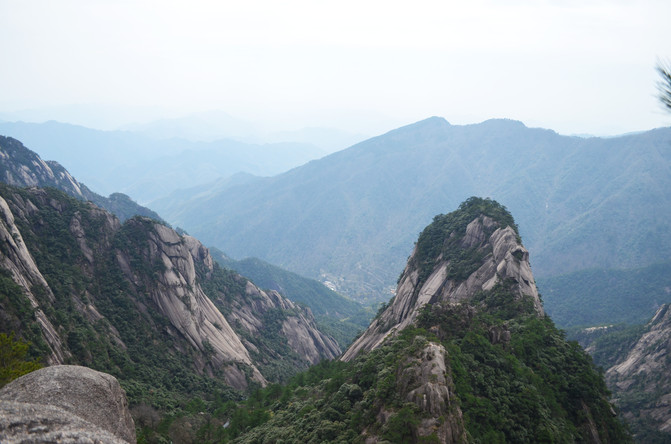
136	300
21	167
336	315
350	217
641	380
314	294
456	257
464	353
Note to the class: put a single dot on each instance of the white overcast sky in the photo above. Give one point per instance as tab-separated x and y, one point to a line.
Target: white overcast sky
572	66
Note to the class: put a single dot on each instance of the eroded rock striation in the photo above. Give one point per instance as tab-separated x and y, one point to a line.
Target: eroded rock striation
130	295
498	256
427	382
644	373
65	403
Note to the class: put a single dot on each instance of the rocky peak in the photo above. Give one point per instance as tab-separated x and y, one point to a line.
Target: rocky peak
456	257
21	167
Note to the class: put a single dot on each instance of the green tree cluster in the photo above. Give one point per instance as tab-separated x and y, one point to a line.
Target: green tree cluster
529	386
14	360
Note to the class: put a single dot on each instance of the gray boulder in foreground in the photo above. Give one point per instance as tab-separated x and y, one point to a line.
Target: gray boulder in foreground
65	403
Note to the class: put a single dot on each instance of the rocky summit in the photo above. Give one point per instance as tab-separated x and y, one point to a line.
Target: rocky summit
22	167
464	352
492	253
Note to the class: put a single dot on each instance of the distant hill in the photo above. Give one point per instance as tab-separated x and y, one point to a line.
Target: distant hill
351	217
210	126
21	167
599	297
146	168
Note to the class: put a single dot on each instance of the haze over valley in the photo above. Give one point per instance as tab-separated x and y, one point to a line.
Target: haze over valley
351	222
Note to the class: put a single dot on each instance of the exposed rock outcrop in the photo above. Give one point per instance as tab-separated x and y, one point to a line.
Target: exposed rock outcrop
175	290
15	258
426	381
503	258
645	371
65	404
163	280
297	323
22	167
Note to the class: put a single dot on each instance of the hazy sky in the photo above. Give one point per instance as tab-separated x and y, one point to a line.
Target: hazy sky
573	66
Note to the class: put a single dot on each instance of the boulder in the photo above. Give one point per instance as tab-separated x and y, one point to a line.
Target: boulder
65	403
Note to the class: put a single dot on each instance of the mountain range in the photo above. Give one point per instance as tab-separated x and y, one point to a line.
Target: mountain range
350	218
463	352
147	168
22	167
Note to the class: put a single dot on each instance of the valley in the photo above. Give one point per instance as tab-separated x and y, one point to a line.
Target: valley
198	339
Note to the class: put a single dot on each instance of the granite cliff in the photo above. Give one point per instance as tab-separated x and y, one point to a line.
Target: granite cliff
140	301
496	255
641	380
463	353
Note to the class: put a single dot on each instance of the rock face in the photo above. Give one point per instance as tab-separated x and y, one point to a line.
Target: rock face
502	258
426	381
176	292
18	261
297	323
65	404
93	286
21	167
645	372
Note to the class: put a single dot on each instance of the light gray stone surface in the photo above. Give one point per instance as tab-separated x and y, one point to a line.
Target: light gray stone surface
65	403
508	260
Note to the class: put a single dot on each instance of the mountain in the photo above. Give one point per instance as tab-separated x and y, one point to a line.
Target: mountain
604	297
21	167
147	168
143	303
463	353
336	315
351	217
456	257
636	359
217	125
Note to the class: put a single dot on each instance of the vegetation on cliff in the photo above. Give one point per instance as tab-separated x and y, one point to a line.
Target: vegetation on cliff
443	238
509	374
515	378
